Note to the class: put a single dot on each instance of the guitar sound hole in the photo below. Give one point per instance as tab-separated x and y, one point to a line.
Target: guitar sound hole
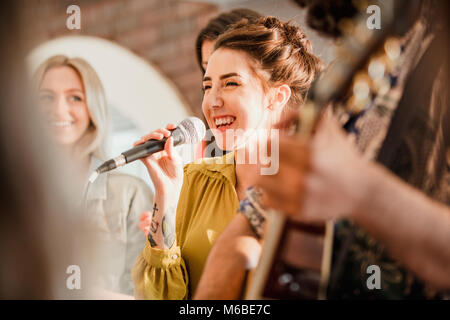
296	273
289	282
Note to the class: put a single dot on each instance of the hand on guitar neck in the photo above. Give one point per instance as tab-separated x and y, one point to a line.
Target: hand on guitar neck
327	178
315	178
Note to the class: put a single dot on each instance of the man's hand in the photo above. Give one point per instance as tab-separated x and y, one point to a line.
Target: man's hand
318	179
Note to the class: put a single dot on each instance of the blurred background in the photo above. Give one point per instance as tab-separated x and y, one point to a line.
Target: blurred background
144	53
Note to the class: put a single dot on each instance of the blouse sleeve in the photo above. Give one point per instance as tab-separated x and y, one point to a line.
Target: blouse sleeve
161	274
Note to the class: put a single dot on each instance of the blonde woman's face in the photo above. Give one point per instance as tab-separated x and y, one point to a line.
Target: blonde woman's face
63	101
234	98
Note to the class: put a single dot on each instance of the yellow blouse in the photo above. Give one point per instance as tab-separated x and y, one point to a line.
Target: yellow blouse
207	204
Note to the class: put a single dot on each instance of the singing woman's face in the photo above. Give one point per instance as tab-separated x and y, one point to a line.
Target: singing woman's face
63	101
233	97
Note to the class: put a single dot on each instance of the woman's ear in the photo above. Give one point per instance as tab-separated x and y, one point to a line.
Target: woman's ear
281	96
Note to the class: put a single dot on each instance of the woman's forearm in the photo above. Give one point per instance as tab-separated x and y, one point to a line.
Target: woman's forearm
162	227
235	252
411	226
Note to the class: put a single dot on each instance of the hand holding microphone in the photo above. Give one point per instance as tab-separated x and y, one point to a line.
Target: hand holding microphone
190	130
164	167
166	171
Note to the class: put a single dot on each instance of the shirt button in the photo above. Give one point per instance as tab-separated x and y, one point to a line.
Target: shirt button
175	256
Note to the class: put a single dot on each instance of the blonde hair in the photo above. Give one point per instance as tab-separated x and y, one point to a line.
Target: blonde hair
92	142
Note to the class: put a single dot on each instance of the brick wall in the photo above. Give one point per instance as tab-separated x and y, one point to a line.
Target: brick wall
161	31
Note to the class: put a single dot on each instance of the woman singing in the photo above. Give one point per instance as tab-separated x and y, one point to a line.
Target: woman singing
256	72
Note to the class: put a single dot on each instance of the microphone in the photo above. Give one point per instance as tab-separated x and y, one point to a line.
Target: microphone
190	130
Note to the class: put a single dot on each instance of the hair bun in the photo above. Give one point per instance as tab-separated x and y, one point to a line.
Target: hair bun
291	34
271	22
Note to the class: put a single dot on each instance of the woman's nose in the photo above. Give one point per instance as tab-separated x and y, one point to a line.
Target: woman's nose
216	99
61	105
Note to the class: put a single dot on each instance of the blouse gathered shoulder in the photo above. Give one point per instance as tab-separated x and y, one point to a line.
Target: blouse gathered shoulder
207	204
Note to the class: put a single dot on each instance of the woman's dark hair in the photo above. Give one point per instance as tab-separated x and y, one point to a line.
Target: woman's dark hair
219	25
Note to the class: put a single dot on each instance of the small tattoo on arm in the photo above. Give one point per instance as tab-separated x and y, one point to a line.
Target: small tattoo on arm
151	240
153	227
154	224
167	227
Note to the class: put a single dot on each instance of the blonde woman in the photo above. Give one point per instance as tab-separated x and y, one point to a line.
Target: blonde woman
72	99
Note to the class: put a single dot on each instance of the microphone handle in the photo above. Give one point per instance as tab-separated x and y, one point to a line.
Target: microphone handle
143	150
151	146
140	151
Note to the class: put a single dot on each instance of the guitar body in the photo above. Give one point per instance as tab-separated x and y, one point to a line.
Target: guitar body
292	271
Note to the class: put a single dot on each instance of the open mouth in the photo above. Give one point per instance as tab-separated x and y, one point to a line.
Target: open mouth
224	122
61	124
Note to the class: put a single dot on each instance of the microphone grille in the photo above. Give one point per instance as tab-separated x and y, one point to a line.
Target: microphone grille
193	128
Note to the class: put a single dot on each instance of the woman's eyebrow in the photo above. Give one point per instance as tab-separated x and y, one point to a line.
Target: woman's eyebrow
224	76
74	90
228	75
